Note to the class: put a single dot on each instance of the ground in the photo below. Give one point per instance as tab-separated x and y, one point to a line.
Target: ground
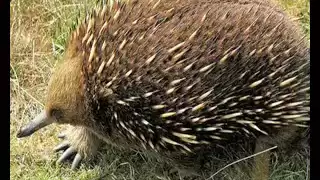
39	29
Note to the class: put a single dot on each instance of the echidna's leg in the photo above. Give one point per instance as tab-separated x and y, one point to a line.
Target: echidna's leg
80	142
260	170
284	140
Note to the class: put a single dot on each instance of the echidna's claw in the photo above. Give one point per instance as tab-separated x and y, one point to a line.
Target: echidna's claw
62	135
69	152
76	161
63	146
76	144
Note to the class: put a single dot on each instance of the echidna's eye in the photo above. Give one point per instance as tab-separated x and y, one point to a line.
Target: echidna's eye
57	113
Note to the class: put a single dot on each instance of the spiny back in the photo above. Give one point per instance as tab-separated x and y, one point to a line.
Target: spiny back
187	73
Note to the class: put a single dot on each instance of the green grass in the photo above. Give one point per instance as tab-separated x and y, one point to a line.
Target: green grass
299	9
39	30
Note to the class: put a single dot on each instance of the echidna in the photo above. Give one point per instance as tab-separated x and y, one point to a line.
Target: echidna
179	76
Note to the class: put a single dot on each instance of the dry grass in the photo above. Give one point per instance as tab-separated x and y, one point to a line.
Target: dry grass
38	33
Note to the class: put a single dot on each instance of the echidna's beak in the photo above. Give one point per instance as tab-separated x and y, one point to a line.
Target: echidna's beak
40	121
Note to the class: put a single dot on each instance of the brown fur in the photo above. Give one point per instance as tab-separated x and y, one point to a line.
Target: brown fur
65	91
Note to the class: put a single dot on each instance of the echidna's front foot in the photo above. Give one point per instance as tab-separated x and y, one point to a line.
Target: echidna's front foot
79	143
69	152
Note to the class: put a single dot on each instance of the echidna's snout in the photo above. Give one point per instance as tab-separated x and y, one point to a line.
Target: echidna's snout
40	121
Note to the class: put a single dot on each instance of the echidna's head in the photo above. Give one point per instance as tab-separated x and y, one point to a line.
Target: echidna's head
65	100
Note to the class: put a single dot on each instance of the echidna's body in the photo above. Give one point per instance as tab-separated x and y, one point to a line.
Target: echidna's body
182	75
